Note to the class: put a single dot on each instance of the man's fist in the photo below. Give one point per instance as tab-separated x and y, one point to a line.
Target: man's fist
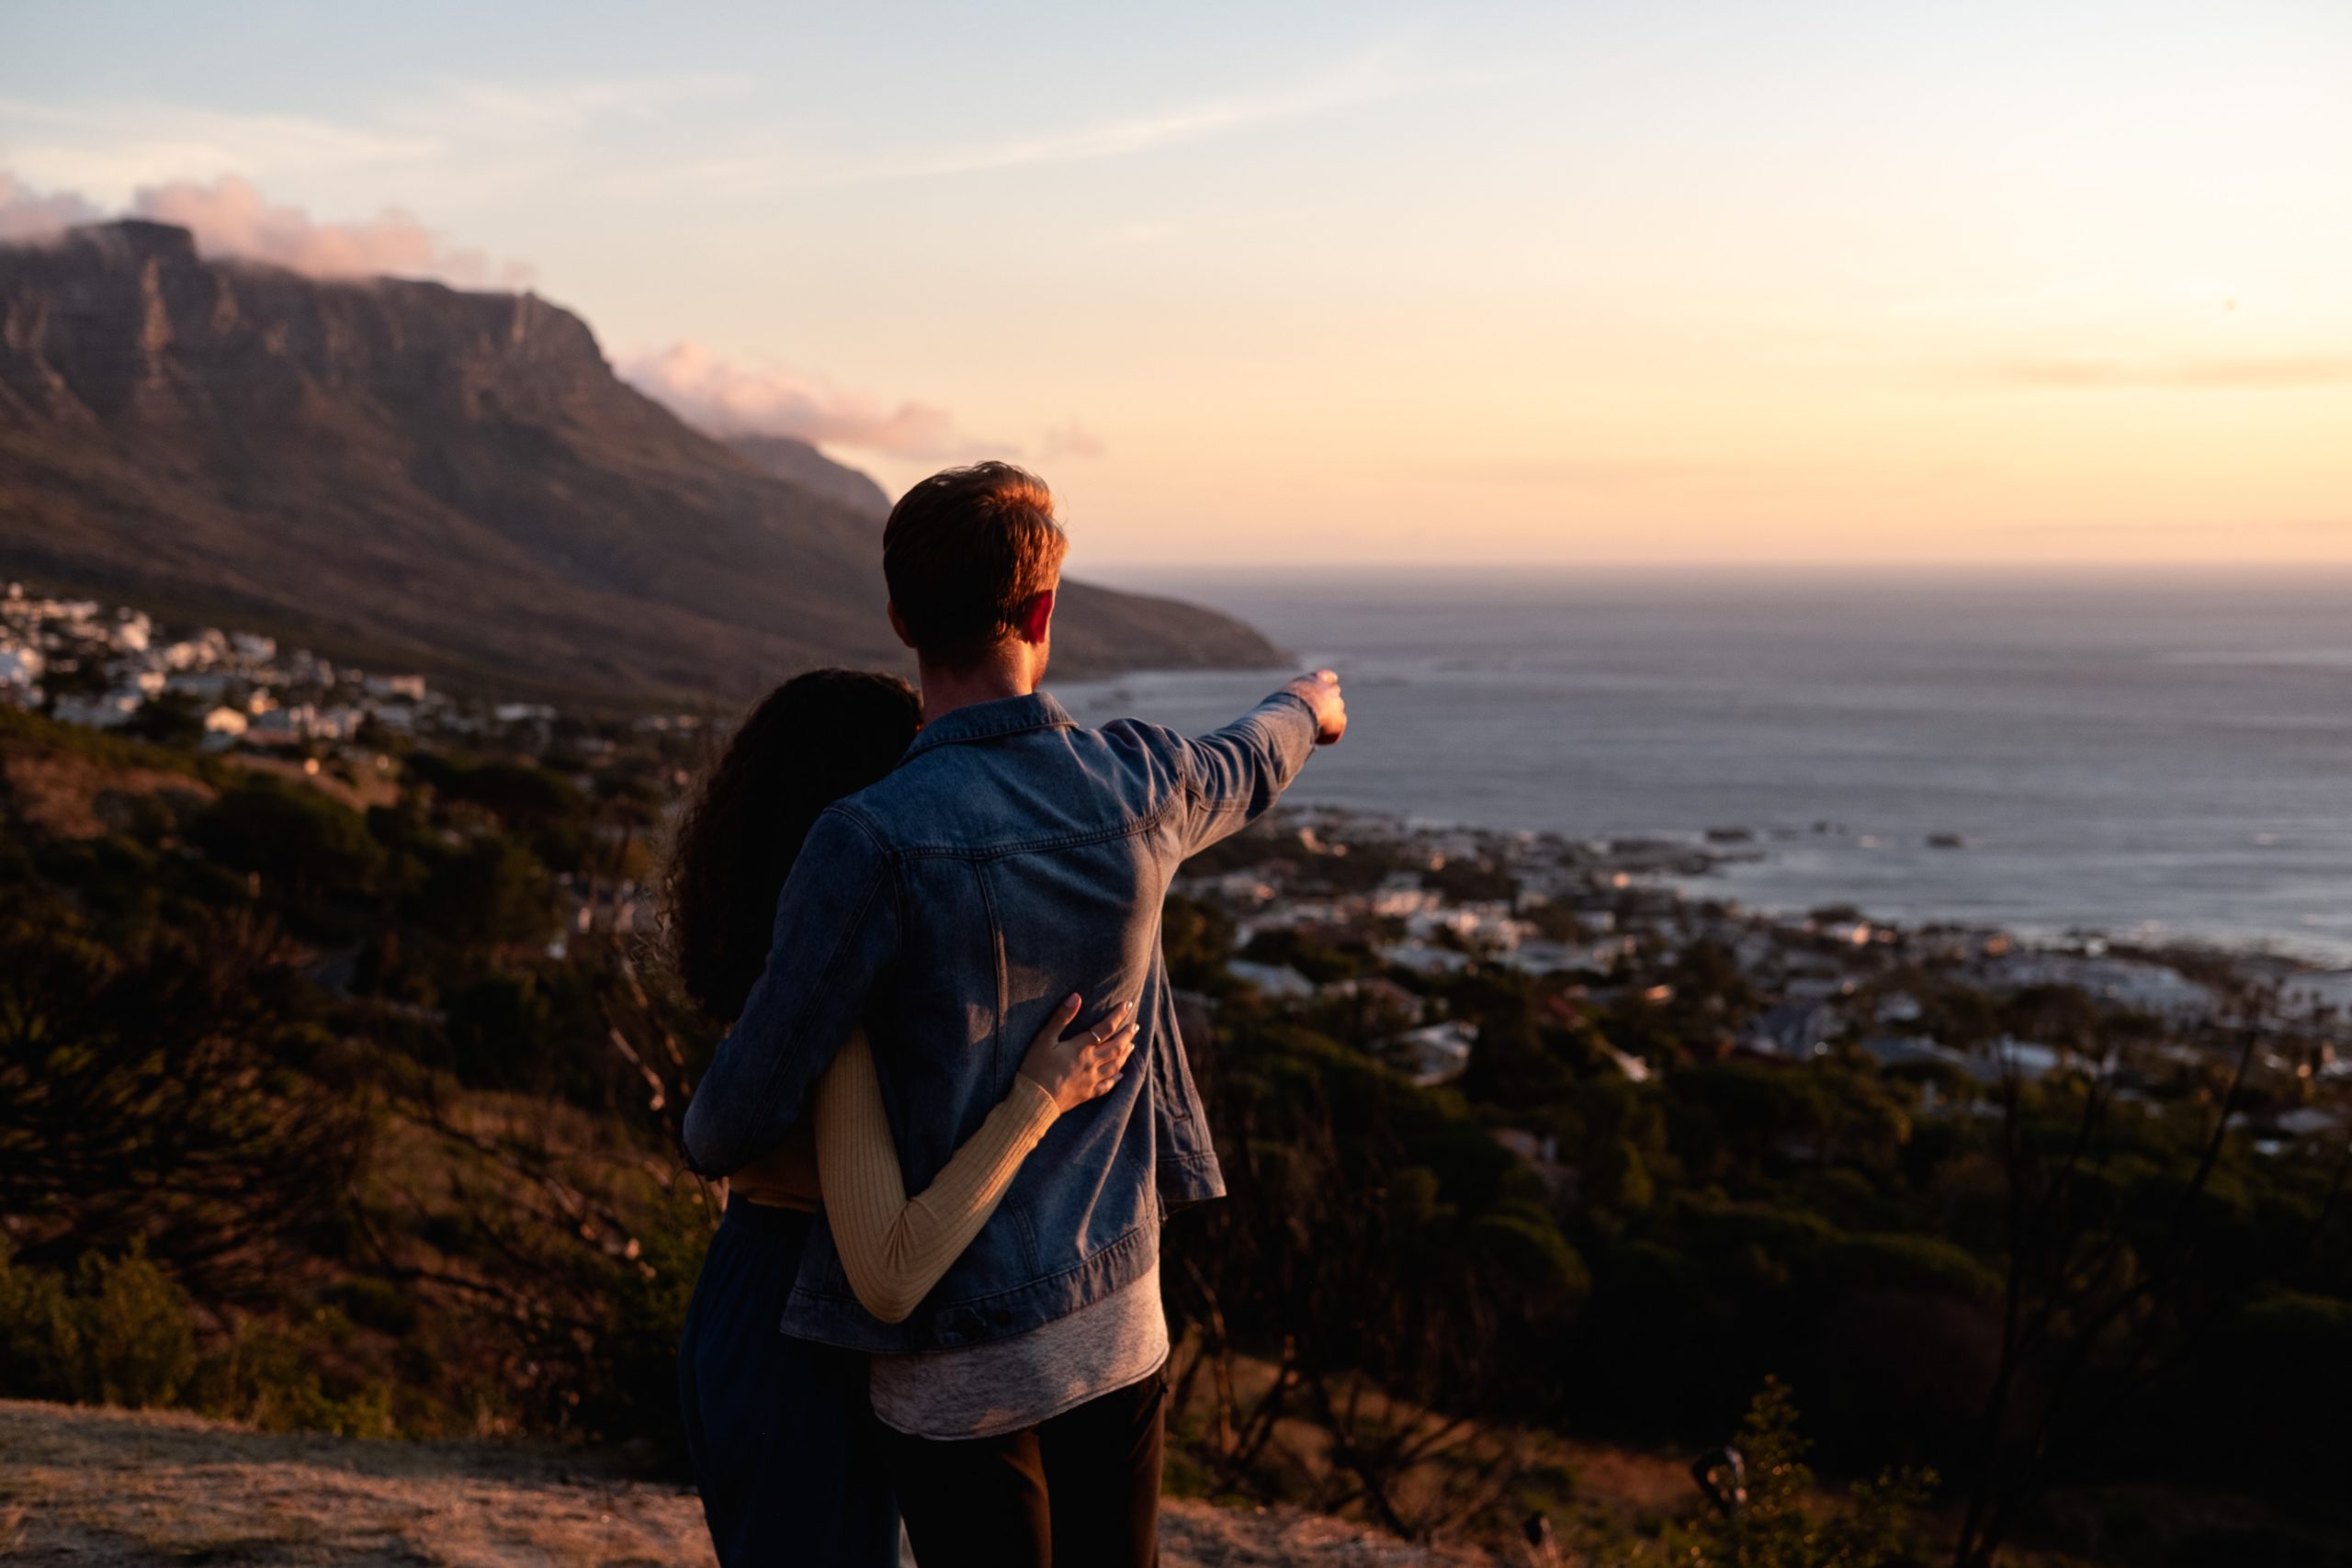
1321	692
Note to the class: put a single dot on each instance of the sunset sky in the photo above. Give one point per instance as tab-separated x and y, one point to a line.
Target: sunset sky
1561	284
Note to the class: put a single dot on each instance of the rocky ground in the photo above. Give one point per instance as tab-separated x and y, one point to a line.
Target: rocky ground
110	1488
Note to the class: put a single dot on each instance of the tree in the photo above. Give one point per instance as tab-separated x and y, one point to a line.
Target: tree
297	839
1776	1519
2122	1252
171	719
492	890
1398	1268
146	1096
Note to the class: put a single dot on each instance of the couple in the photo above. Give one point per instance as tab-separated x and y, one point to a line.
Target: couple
935	922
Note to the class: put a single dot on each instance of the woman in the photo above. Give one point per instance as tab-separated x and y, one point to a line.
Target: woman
785	1448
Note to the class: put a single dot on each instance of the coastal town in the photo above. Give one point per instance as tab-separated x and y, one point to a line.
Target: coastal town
118	669
1327	908
1593	925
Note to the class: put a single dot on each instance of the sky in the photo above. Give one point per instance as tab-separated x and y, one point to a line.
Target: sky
1795	285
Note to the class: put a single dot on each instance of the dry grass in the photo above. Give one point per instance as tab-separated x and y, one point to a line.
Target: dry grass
1613	1487
115	1487
111	1488
357	793
67	795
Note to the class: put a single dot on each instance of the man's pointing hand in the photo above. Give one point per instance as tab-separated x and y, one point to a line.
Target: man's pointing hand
1321	692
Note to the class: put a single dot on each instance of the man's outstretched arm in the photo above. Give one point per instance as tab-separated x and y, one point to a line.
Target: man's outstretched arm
836	928
1237	772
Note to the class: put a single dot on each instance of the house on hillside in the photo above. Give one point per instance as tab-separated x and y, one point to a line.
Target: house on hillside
20	667
1796	1031
1385	1004
1423	958
1275	982
1437	1053
110	712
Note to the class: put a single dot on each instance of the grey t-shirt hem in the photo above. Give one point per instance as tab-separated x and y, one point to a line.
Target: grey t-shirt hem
987	1391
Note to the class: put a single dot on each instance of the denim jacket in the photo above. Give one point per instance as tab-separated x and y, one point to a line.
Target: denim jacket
1011	858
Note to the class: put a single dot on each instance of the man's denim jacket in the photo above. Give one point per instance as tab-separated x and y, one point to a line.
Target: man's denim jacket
1011	858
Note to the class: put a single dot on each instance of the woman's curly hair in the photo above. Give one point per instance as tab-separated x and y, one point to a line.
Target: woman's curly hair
812	740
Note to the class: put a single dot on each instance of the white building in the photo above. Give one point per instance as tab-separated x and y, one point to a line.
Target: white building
1275	982
130	631
199	652
1488	925
1437	1053
283	726
410	687
110	712
1423	959
1541	955
1899	1007
224	727
2155	989
205	685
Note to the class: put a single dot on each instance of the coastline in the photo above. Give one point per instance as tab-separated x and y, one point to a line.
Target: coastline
1571	914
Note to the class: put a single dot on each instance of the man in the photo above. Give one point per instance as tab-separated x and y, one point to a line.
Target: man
1011	858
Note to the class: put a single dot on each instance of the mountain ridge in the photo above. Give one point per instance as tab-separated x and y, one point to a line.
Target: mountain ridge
407	473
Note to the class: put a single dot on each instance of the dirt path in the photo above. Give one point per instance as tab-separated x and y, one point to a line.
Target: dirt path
110	1488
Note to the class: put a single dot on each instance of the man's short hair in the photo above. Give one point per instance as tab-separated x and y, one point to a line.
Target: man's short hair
966	553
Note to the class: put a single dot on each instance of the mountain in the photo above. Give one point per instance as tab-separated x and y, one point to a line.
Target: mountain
799	464
406	474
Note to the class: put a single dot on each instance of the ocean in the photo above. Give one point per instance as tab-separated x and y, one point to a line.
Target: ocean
2148	759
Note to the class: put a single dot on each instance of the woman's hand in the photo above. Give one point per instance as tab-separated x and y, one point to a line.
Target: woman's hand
1085	1065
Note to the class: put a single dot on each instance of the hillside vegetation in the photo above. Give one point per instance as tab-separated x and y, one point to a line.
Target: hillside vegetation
344	1102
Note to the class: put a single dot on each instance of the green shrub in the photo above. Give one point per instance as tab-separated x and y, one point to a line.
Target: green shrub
36	1333
1917	1262
629	1388
381	1305
138	1339
1619	1180
1781	1522
271	1378
120	1333
294	838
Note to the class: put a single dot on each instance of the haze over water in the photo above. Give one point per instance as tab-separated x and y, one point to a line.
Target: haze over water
2148	758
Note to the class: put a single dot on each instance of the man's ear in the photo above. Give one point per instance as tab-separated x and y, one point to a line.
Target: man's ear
1038	620
898	625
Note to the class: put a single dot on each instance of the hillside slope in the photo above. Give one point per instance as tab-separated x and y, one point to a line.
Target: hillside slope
402	473
112	1488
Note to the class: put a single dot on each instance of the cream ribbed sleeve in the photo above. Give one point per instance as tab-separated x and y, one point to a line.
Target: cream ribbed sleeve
895	1248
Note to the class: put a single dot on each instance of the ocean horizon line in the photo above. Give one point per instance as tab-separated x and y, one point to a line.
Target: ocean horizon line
2314	577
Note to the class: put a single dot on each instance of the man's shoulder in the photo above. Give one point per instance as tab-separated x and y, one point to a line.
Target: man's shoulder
989	788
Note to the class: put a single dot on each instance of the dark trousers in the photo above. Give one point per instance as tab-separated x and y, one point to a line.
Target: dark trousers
1081	1490
790	1460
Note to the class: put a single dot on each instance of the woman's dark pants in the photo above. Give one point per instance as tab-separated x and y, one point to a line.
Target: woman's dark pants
790	1460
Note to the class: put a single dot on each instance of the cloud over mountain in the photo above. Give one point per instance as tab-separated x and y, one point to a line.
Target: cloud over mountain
230	217
728	399
27	215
